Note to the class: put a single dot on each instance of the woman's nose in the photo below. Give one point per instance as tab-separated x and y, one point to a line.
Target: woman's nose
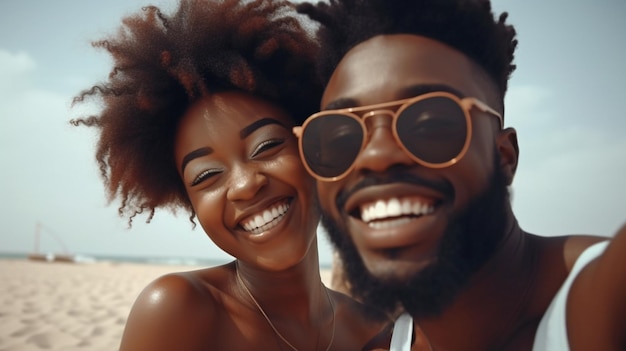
245	182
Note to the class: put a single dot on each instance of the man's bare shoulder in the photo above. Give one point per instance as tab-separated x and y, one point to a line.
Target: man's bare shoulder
595	304
596	307
555	258
576	245
565	249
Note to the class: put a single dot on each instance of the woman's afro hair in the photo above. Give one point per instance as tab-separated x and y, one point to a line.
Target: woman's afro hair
163	63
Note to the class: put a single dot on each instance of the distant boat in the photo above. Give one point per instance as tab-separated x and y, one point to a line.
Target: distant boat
36	255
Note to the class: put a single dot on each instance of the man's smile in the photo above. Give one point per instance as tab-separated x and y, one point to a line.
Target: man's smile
394	211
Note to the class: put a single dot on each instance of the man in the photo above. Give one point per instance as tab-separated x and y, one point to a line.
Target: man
413	167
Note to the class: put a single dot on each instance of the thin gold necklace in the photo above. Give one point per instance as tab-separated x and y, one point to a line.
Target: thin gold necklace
245	288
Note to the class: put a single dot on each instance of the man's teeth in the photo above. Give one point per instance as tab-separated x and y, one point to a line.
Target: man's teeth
394	207
266	220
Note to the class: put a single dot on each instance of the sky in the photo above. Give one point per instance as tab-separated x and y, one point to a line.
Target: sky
564	100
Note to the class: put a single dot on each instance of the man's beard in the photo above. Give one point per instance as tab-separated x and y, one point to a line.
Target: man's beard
470	240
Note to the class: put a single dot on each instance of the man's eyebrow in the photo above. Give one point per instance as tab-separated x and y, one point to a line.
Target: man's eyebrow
193	155
409	92
246	131
421	89
342	103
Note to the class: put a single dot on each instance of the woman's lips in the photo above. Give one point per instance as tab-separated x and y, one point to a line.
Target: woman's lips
267	219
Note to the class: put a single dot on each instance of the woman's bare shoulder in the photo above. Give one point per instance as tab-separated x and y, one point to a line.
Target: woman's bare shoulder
168	312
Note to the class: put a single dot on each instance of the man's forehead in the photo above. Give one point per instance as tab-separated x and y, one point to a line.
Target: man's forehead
385	67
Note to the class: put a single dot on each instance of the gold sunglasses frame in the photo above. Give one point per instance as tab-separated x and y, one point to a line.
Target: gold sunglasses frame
466	104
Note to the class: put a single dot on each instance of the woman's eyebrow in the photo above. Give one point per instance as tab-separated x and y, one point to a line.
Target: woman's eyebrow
246	131
193	155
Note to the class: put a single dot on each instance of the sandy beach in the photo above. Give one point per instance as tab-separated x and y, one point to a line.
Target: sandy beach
71	306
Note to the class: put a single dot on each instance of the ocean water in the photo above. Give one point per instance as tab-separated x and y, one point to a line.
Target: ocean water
170	261
183	261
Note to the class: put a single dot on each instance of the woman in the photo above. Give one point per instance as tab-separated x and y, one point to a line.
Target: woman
197	114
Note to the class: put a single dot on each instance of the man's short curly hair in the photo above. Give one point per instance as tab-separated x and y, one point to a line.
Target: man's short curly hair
466	25
164	63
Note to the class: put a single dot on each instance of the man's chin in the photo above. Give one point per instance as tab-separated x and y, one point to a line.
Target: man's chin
394	271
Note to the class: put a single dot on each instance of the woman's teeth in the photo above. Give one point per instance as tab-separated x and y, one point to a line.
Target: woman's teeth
267	220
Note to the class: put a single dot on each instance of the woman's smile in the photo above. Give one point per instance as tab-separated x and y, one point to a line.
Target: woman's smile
267	219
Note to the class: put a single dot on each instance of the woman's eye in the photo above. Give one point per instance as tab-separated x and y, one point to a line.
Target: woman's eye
266	145
203	176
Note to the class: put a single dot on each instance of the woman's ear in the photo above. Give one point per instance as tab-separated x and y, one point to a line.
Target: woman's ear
509	152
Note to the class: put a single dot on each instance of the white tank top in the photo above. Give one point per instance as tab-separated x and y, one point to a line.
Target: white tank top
552	331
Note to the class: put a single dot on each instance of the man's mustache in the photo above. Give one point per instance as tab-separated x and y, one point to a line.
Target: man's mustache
443	186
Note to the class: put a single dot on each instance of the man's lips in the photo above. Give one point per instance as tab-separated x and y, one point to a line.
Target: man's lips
379	212
393	216
373	187
392	200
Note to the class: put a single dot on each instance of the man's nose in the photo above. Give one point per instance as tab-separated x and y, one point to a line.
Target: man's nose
381	150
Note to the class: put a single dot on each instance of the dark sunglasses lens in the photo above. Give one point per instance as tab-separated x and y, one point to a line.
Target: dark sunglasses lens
331	143
433	130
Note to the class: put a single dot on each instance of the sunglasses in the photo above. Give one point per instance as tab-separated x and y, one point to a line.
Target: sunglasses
433	129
